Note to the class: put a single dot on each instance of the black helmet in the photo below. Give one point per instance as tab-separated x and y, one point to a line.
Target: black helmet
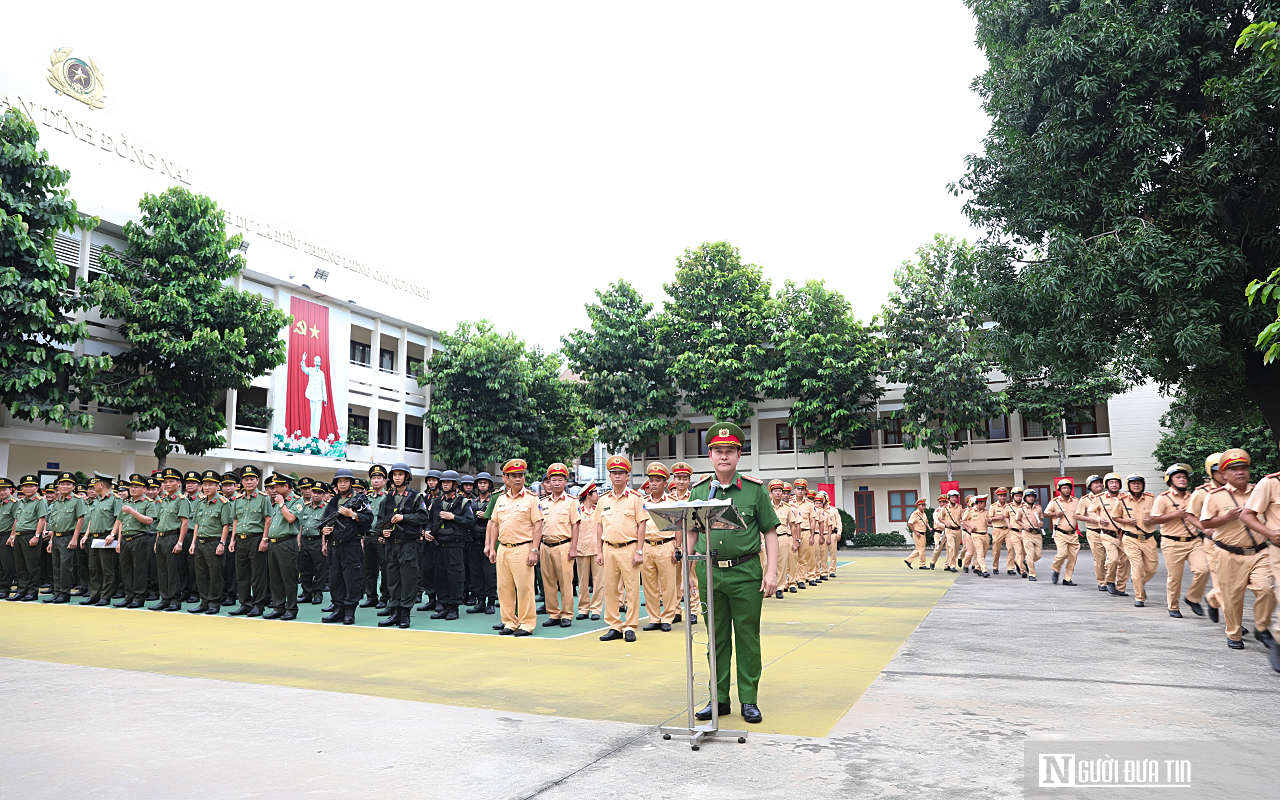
449	475
466	479
433	473
403	467
343	472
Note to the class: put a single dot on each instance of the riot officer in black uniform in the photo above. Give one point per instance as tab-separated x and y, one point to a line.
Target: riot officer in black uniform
399	527
427	500
484	575
450	524
346	519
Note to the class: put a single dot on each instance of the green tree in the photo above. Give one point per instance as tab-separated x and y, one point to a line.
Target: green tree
716	326
479	394
829	363
192	337
936	347
1053	399
1196	427
1132	162
623	366
40	378
1265	38
556	423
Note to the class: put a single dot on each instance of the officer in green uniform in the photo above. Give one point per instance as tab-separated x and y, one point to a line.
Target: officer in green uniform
230	490
282	549
80	554
64	520
375	558
191	482
251	519
101	521
172	522
312	569
211	520
741	581
137	515
153	580
28	530
8	505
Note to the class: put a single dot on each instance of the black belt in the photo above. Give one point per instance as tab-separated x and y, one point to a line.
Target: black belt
519	544
733	562
1066	533
130	537
173	532
556	544
274	539
312	536
784	534
1166	537
1243	551
660	541
60	535
948	527
210	538
1142	537
624	544
1112	534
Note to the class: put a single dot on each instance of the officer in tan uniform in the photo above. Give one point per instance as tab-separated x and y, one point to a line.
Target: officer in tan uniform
1013	562
834	532
681	475
1195	506
513	539
976	522
1062	515
1093	537
951	515
822	544
620	522
1032	534
1132	512
1180	539
918	524
1243	562
939	533
804	518
786	536
584	550
659	570
998	516
1262	515
560	531
1110	535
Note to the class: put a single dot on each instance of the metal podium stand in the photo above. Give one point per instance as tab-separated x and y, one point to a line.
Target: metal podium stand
685	517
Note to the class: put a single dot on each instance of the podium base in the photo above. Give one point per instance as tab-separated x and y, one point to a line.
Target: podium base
700	733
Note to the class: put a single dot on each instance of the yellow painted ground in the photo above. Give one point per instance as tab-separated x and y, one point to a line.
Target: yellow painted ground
822	648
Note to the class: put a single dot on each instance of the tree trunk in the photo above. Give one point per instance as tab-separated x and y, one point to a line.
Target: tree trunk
826	469
1062	454
162	449
949	478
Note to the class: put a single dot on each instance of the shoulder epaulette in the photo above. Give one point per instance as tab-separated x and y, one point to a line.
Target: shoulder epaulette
1275	475
1147	494
753	479
702	479
1218	489
1166	491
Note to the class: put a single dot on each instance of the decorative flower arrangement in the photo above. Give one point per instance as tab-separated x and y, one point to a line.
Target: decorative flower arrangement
331	446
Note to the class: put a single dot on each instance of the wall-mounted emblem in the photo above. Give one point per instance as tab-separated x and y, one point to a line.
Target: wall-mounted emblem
77	78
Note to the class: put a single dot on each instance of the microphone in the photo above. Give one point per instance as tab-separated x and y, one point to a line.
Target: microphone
715	487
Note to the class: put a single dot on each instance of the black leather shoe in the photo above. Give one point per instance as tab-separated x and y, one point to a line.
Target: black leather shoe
437	615
595	617
629	636
622	609
368	603
288	615
666	628
450	613
611	635
542	609
174	607
1175	613
1122	594
1031	577
521	632
349	618
197	610
240	612
551	623
1055	577
986	574
1102	587
582	616
1273	656
329	609
705	713
152	596
393	618
693	619
158	607
1196	608
488	606
194	598
274	613
966	569
778	594
908	563
793	590
254	612
424	607
1235	644
386	612
334	616
933	566
751	713
1070	583
499	626
103	602
505	632
1213	613
1111	589
317	599
652	626
134	604
1139	604
381	604
114	605
1010	571
1265	637
213	610
478	608
404	619
566	623
802	585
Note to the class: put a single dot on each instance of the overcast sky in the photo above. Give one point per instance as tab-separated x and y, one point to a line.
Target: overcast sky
517	156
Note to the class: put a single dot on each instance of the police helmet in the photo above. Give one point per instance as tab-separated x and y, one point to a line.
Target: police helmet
484	476
433	473
1174	469
343	472
465	479
1110	476
450	475
1134	476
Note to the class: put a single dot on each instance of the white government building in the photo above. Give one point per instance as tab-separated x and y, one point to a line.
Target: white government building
376	336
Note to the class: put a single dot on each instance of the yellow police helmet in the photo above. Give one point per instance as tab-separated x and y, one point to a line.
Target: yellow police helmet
1174	469
1211	463
1110	476
1016	491
1135	476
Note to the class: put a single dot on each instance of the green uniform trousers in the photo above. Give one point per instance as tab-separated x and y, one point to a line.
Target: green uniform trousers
282	569
402	556
102	569
8	568
167	569
135	565
251	571
64	564
313	567
26	557
208	569
738	601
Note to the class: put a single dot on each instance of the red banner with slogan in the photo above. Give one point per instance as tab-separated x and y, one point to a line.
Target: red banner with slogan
949	485
309	412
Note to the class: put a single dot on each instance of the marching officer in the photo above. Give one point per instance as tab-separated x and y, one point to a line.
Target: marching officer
312	570
512	542
1117	574
952	514
1032	533
1133	513
65	518
187	563
1093	536
400	525
561	522
483	573
1062	516
1243	563
741	582
1195	505
1260	515
137	515
1180	539
976	522
939	533
346	520
998	516
230	490
251	522
211	521
620	522
101	521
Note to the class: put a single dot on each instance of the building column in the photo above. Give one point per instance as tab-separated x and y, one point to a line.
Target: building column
755	445
4	458
680	446
401	418
926	490
1015	447
375	346
128	463
230	415
279	378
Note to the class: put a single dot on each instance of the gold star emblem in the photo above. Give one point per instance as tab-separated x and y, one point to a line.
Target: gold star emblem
724	431
315	332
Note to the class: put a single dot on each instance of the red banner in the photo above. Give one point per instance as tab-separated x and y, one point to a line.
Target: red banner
309	412
947	486
830	489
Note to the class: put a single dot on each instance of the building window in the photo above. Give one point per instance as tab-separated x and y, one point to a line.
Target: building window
1043	493
998	428
671	446
783	433
358	422
387	360
1032	430
965	494
862	438
864	511
413	438
801	441
892	431
1082	421
386	433
588	458
702	441
651	450
359	353
415	365
901	504
746	444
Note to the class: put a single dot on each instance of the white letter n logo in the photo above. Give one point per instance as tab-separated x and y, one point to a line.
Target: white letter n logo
1057	769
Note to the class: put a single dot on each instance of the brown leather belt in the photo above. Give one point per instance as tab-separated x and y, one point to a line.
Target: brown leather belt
624	544
517	544
556	544
1142	537
1178	538
656	542
60	535
1243	551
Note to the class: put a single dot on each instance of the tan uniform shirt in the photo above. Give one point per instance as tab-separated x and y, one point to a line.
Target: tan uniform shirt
999	514
516	517
558	517
1167	502
1234	533
1196	504
978	520
918	522
1265	500
587	539
1133	515
1100	508
1068	508
804	515
951	517
1028	518
786	516
620	515
833	520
